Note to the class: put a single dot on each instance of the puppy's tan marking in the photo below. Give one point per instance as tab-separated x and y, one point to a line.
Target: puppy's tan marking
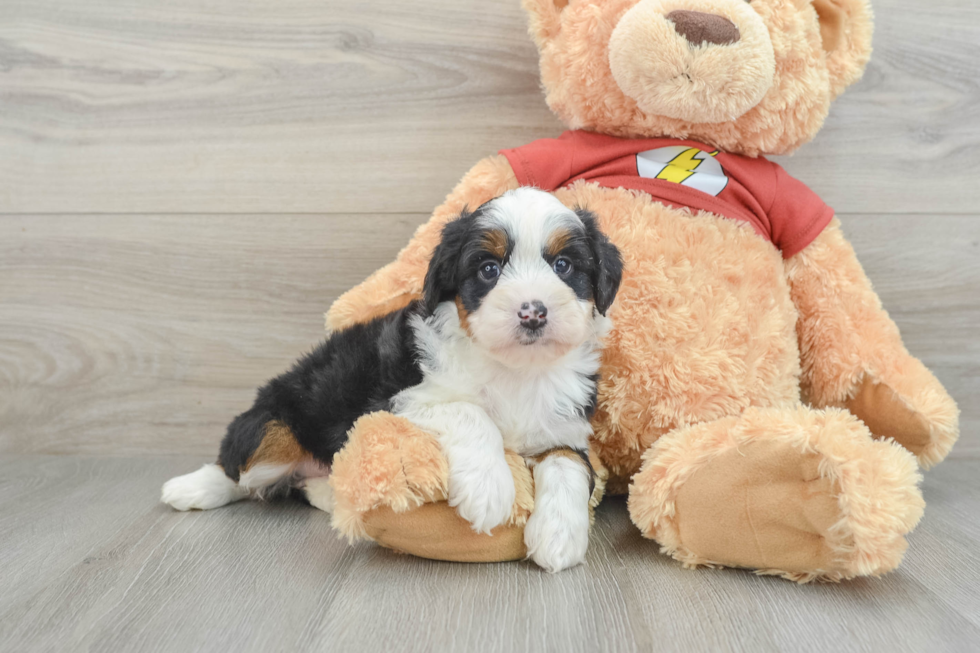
278	447
464	316
582	457
557	242
495	242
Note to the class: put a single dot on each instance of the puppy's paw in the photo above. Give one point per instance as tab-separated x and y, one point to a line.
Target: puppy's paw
557	542
483	494
557	533
204	489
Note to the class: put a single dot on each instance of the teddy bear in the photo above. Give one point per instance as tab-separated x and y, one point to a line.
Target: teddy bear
756	402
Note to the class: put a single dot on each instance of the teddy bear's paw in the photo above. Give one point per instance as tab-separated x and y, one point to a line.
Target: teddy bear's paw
924	419
483	494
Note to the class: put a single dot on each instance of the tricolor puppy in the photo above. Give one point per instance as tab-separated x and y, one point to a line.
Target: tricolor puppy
502	351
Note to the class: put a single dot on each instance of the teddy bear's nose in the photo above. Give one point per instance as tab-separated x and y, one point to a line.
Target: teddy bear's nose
698	27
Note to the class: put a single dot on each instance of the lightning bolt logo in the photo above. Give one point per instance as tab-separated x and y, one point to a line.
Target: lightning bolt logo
682	166
679	164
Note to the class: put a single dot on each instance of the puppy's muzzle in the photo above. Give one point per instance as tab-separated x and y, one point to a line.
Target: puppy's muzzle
533	315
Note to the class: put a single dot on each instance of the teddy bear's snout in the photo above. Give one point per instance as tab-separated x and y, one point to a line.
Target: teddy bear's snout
700	61
700	28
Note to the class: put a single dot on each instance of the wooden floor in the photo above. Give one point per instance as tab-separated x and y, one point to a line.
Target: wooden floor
91	562
184	189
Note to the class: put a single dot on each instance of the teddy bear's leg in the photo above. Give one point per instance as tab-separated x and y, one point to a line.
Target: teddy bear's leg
853	355
797	492
399	282
389	484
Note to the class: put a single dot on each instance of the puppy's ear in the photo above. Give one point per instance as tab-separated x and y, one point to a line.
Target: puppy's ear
607	269
441	279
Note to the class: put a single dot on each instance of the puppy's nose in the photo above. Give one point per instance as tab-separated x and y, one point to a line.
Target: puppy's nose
698	27
534	315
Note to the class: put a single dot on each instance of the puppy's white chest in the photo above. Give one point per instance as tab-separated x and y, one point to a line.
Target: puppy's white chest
534	408
537	412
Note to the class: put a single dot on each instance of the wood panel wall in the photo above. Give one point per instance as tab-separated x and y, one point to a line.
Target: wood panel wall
184	189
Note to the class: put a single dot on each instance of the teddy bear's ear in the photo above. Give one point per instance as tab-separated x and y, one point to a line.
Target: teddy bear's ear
545	18
845	27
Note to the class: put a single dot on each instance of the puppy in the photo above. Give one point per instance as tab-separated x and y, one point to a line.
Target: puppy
502	351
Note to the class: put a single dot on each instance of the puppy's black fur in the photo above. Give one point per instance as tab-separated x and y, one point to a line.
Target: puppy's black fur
605	264
359	369
354	372
453	264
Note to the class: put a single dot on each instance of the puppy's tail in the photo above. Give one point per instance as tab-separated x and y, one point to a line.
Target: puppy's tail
259	458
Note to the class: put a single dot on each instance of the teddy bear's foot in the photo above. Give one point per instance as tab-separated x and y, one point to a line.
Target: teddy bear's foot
431	530
796	492
390	484
437	532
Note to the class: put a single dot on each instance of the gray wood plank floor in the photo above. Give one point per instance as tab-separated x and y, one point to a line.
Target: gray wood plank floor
91	562
184	189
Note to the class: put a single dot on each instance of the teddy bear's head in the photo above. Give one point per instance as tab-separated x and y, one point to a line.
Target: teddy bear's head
747	76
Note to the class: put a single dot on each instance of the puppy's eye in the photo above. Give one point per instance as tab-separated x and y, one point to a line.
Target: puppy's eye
562	266
489	271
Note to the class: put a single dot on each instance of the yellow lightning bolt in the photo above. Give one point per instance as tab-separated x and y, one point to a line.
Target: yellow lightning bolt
681	166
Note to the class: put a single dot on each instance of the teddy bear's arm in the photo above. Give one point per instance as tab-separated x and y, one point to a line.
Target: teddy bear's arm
397	283
853	356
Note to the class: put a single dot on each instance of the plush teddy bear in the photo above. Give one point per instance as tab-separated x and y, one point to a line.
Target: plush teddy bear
756	401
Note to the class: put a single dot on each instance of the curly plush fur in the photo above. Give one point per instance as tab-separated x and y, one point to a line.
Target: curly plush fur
733	381
582	91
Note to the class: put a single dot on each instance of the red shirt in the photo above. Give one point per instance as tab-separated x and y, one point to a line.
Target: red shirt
682	174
